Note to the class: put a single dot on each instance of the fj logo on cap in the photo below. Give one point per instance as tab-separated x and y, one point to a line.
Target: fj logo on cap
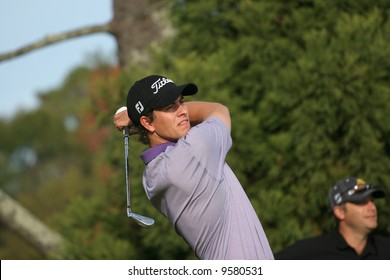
159	84
139	107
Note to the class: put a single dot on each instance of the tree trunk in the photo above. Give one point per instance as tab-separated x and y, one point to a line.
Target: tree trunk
22	222
137	24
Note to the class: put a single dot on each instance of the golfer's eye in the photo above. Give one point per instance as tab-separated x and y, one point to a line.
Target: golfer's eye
365	202
175	106
170	107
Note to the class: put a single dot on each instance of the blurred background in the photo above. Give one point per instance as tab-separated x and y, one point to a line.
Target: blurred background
307	84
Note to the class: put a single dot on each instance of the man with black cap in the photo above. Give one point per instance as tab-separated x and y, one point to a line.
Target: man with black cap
352	204
186	177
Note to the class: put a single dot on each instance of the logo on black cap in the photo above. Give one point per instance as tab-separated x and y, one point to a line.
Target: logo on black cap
139	107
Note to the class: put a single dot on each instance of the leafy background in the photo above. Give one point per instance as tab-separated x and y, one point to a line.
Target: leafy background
308	87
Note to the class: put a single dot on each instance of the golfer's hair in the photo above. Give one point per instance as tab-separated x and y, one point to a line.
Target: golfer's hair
143	133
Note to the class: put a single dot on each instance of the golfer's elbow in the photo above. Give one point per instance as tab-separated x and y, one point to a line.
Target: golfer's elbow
224	114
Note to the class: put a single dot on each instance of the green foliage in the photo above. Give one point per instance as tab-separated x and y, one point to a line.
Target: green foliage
306	82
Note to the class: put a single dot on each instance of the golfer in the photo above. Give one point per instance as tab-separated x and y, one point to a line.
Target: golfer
186	177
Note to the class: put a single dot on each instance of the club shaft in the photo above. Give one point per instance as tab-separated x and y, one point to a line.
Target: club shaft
141	220
126	133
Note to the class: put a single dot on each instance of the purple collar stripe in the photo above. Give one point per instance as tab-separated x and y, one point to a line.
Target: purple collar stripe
151	153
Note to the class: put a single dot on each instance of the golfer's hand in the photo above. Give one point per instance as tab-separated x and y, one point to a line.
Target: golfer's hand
121	120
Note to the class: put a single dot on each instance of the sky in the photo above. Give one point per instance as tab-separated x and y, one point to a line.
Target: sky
26	21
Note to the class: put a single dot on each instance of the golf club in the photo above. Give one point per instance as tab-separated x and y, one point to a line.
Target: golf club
139	219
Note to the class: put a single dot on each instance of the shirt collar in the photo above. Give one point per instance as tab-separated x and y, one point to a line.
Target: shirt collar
369	249
151	153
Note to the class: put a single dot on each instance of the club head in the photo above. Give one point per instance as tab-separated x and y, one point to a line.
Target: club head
141	220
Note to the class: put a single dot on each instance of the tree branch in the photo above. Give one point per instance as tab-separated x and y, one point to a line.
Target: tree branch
29	227
56	38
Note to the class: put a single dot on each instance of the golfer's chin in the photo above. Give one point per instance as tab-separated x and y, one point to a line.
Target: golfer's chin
183	129
182	134
373	225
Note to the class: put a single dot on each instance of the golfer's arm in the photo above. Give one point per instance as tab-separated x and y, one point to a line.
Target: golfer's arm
200	111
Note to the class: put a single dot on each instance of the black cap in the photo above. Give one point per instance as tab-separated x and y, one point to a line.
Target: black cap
352	190
153	92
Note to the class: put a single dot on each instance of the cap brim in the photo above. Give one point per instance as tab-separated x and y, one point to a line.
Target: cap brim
188	89
360	197
170	97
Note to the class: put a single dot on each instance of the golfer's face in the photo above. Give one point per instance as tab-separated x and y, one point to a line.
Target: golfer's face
362	215
172	122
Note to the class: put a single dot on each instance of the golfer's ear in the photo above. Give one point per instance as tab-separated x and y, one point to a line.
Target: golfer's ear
338	211
145	122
